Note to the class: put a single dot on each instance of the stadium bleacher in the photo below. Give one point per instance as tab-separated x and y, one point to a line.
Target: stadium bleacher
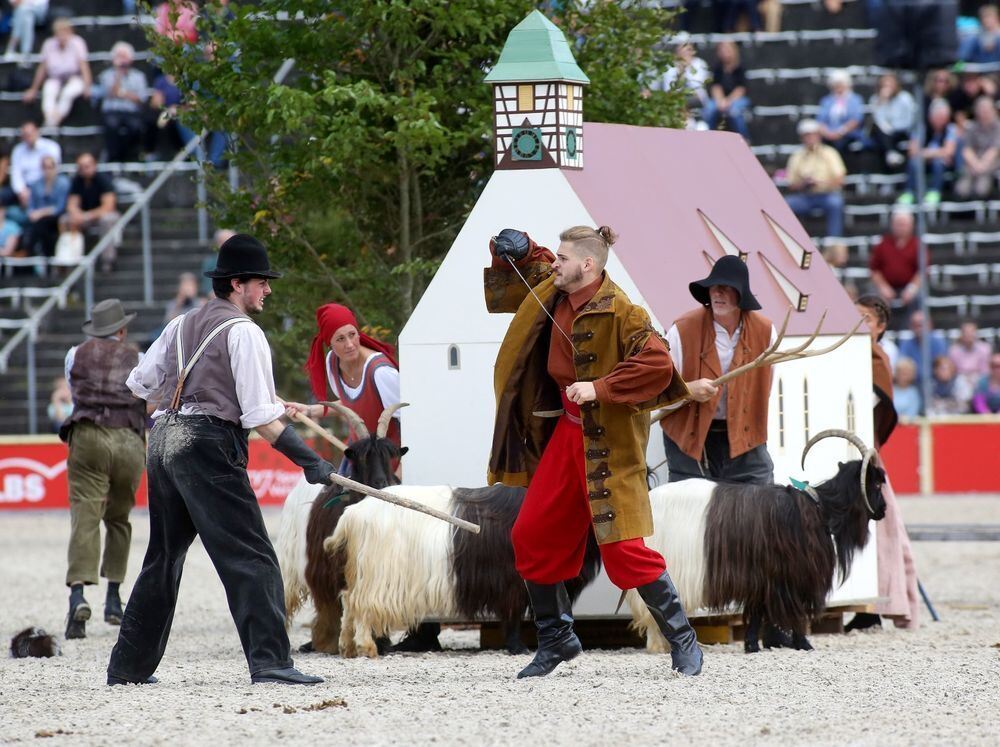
175	234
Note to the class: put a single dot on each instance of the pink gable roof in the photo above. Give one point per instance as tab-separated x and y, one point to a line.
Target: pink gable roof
650	183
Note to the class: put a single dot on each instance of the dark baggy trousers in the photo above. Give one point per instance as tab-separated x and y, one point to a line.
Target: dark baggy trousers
198	485
754	466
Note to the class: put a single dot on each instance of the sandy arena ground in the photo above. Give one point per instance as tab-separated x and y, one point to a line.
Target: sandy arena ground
940	685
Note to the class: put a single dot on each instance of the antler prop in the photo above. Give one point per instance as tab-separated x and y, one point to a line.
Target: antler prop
772	356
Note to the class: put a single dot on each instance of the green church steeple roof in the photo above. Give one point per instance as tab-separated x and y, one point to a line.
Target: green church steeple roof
536	50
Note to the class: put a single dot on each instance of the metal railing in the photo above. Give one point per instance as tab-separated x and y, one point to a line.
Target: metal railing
28	328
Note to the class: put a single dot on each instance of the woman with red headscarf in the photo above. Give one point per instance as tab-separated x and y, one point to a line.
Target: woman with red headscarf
359	370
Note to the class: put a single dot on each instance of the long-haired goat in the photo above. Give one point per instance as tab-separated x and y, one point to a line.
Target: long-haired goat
402	567
770	550
309	516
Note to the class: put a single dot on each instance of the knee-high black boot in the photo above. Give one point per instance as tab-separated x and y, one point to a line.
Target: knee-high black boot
665	606
554	619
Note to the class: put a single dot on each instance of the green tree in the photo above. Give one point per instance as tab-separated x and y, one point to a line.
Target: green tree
359	169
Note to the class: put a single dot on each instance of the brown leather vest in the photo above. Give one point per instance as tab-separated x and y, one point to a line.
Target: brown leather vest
209	386
97	378
747	397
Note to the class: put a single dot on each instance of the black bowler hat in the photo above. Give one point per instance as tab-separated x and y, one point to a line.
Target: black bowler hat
242	256
730	271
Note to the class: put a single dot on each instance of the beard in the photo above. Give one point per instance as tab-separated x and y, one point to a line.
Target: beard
568	278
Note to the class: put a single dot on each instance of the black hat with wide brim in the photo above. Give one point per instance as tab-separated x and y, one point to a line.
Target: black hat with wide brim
732	272
242	256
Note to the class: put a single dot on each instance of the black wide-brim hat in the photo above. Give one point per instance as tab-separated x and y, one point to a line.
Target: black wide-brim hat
242	256
730	271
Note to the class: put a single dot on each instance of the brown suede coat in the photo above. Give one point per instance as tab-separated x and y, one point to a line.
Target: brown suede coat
747	398
607	330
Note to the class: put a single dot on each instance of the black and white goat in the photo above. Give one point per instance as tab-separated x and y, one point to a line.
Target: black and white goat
771	551
34	642
402	567
309	516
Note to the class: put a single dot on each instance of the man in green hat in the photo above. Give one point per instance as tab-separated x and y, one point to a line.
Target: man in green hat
107	453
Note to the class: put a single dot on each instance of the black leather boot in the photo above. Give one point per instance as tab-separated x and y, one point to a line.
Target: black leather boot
554	619
665	606
79	613
113	605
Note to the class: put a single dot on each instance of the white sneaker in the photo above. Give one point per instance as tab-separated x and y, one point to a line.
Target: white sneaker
894	158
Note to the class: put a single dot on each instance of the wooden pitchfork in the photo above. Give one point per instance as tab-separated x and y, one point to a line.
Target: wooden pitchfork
772	356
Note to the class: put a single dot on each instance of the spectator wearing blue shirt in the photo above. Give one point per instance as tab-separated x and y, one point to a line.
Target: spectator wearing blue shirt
939	151
841	113
910	347
46	203
984	47
905	392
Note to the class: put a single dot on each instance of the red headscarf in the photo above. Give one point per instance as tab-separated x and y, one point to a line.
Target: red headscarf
330	318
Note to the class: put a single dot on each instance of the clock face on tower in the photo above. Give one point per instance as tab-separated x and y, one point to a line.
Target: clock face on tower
526	144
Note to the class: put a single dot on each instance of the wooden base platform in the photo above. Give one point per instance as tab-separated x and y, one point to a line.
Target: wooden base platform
615	632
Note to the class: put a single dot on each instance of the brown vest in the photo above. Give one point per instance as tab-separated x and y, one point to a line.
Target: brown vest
209	386
97	378
747	397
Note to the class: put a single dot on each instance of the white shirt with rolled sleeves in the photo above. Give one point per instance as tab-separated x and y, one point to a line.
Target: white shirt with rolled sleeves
725	346
249	358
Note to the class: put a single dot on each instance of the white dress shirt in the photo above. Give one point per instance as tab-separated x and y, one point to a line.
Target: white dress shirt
725	346
249	359
26	163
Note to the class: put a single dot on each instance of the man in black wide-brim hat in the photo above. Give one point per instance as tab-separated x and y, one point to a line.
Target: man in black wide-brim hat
209	375
722	433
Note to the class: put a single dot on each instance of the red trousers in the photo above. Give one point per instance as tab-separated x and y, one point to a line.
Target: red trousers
552	528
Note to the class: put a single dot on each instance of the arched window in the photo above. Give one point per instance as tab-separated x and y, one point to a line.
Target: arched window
781	414
454	359
850	412
805	407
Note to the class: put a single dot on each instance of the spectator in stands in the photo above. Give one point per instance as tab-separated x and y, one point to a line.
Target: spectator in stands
815	175
986	398
895	266
63	75
26	160
938	84
176	20
911	347
970	355
728	91
728	13
841	113
905	393
980	152
92	206
984	47
60	404
836	255
690	70
971	87
894	113
124	93
26	15
45	207
939	152
186	299
950	394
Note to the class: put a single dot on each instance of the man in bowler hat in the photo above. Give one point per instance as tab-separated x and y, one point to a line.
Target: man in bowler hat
209	377
107	453
721	434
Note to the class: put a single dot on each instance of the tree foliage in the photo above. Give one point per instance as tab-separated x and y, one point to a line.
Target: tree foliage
359	168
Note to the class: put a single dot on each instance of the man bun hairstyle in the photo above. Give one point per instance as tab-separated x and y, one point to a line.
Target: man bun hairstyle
591	242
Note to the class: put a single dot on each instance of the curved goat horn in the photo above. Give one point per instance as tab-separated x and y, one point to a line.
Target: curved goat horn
866	452
352	417
386	417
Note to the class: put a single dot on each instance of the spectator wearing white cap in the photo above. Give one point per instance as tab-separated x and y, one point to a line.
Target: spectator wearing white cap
815	175
841	113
